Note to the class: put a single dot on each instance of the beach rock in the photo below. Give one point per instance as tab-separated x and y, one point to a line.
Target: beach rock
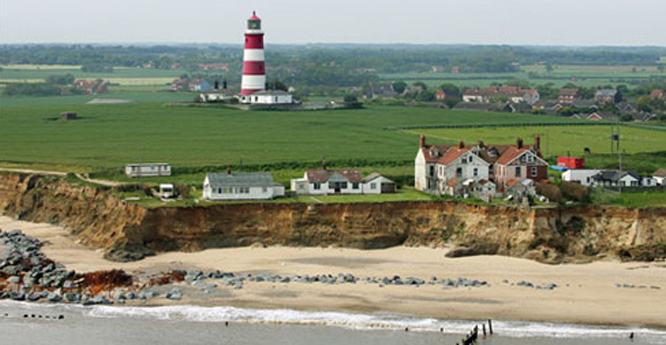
17	296
54	297
34	296
176	296
72	297
131	295
126	252
14	280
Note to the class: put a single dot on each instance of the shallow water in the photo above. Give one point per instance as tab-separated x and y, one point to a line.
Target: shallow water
202	325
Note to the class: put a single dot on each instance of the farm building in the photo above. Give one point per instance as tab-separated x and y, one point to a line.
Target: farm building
241	186
436	166
148	170
514	94
325	182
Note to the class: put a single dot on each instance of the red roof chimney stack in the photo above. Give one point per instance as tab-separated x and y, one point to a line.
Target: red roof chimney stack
423	141
228	170
461	145
482	144
537	142
519	143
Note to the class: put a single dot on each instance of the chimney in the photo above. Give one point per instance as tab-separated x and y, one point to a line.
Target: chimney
224	84
217	85
423	141
519	143
481	144
323	163
537	142
461	145
228	170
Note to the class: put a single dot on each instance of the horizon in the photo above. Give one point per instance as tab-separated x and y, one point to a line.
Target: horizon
566	23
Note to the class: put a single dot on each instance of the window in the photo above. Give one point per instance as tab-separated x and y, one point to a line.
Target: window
354	185
264	189
471	158
373	186
530	159
534	171
432	170
458	172
517	171
219	191
476	172
301	187
343	185
276	99
522	158
316	186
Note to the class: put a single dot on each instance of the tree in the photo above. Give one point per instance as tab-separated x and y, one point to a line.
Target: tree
450	89
421	84
626	118
451	102
350	99
660	68
60	79
399	86
549	68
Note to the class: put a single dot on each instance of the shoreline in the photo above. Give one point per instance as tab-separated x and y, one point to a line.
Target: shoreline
585	293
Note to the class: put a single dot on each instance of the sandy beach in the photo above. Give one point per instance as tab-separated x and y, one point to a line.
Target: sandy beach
585	293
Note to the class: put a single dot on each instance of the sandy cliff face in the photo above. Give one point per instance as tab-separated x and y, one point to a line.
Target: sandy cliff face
549	235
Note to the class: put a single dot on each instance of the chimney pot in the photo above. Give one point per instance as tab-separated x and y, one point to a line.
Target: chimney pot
461	145
423	140
228	170
537	142
519	142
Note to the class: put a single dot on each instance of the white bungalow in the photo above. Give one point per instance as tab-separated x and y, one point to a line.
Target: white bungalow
148	170
267	97
339	181
580	176
659	177
241	186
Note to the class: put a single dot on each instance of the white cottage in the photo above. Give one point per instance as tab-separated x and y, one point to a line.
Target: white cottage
580	176
341	181
241	186
659	177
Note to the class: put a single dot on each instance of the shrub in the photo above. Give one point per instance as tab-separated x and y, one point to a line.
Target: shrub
575	192
550	191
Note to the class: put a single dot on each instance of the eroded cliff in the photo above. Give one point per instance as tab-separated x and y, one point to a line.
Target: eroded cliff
128	231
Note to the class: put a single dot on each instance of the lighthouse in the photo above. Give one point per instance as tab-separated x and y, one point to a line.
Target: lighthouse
254	69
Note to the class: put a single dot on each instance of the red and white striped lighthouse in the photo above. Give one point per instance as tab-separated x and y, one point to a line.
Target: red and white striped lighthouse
254	70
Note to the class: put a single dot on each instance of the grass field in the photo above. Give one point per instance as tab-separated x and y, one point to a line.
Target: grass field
586	76
557	140
114	135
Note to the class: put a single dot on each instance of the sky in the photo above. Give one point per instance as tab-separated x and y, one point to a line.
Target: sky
514	22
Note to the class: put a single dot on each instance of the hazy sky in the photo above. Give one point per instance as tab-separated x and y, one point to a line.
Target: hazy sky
539	22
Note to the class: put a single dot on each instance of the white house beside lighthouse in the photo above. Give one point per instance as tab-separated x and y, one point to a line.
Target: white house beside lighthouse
253	84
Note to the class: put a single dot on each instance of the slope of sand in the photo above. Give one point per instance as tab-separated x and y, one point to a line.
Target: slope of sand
586	293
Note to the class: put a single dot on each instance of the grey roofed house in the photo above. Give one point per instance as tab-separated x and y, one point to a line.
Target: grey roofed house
625	107
606	93
258	179
614	176
584	104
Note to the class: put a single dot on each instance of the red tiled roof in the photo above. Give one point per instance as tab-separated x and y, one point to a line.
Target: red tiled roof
321	176
512	183
657	93
511	154
453	153
660	173
452	183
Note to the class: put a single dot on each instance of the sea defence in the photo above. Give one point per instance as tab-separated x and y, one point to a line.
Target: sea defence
130	232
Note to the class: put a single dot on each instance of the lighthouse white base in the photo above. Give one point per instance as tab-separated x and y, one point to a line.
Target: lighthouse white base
267	97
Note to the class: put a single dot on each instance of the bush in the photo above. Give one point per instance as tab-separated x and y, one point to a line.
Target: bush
550	191
575	192
32	89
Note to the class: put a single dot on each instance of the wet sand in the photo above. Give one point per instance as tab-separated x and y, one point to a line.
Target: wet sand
586	293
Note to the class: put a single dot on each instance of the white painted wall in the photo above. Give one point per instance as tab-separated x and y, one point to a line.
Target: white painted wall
237	193
582	176
147	170
253	55
374	186
420	172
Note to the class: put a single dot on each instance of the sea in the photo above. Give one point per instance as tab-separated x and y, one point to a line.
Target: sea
32	323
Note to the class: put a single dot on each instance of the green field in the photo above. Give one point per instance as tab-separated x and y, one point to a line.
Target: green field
114	135
586	76
127	75
558	140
